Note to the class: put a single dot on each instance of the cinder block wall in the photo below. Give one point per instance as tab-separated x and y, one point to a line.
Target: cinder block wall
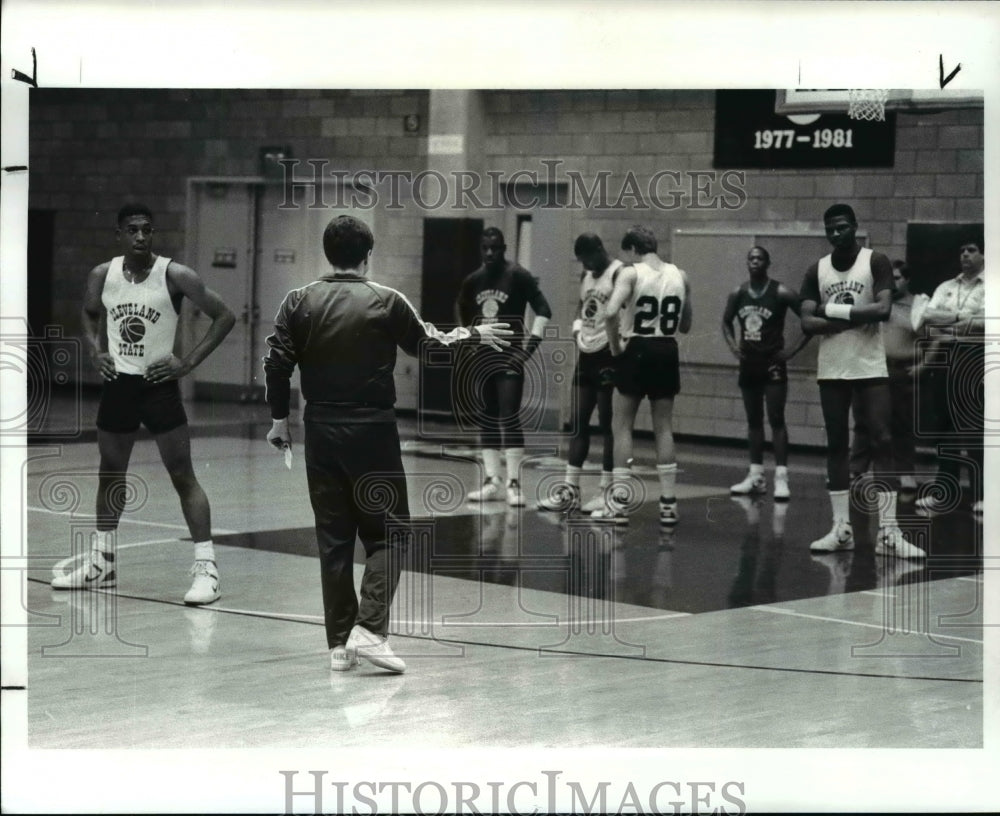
938	176
92	149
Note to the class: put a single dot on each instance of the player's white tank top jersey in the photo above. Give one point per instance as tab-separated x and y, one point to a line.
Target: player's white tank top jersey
857	353
142	322
656	304
594	294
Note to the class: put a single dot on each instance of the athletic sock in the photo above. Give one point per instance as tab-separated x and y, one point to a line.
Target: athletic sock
514	457
491	463
204	551
573	475
756	470
668	481
620	482
840	504
605	478
887	508
781	472
104	542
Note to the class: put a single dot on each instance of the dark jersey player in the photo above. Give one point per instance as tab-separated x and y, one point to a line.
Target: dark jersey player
759	305
500	290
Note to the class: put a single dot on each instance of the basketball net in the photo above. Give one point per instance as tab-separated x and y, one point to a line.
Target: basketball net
867	103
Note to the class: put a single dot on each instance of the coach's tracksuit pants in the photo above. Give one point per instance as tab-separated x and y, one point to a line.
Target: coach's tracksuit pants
358	489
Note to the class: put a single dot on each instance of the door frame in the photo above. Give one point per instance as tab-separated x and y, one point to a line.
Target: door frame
191	239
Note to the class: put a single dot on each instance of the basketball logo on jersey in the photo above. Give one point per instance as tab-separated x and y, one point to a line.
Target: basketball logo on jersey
843	292
593	307
489	301
131	319
752	327
752	318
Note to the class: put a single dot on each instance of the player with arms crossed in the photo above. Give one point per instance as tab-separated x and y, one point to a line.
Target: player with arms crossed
760	305
656	298
845	296
139	294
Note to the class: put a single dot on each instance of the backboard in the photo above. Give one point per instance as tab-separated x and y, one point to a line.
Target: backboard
792	101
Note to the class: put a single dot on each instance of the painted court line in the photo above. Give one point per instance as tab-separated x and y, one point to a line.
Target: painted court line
442	623
126	519
781	611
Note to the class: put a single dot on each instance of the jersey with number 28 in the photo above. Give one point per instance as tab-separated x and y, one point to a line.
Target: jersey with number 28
656	304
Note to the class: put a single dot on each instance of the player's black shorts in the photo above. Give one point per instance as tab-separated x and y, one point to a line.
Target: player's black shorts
756	372
129	401
649	367
595	370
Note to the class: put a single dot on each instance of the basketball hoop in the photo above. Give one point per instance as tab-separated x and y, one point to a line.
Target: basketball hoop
867	103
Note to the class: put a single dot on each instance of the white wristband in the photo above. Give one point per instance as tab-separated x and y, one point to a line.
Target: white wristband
838	311
577	325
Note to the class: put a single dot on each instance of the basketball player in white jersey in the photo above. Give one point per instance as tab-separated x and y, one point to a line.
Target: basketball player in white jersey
656	298
845	297
593	379
139	295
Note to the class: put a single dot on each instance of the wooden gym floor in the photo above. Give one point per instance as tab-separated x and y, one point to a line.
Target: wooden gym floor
726	632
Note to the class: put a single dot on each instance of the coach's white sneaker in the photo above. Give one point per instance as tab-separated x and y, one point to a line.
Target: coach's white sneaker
515	498
753	485
205	587
95	572
341	661
374	649
891	541
840	537
490	491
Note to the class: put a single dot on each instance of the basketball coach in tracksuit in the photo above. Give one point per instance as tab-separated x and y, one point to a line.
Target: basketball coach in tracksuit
342	331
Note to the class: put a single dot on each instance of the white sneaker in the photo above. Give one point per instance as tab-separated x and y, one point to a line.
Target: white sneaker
840	537
595	503
977	506
374	649
668	513
892	542
515	498
607	515
490	491
751	485
205	587
929	504
564	499
781	491
94	572
341	661
612	511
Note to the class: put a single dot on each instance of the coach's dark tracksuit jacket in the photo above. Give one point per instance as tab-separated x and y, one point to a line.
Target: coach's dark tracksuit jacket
342	331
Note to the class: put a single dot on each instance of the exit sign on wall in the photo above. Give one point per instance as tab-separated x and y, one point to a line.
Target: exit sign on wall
749	134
